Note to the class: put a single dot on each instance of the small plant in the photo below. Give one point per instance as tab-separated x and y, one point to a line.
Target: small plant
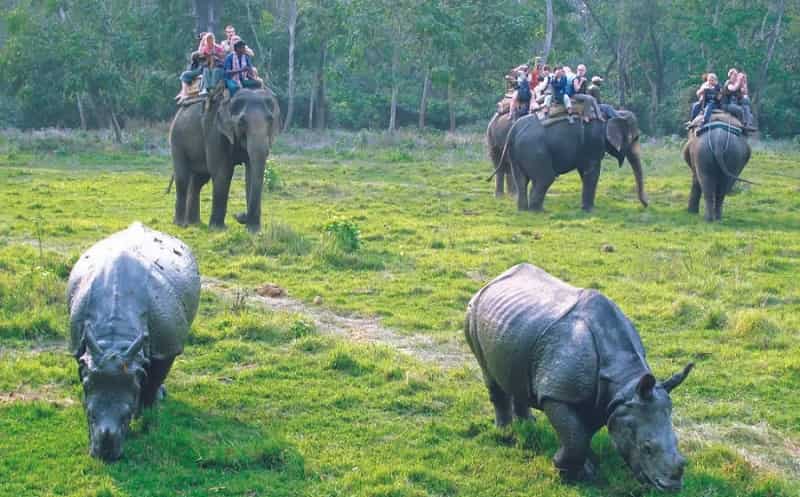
272	180
302	328
345	234
239	300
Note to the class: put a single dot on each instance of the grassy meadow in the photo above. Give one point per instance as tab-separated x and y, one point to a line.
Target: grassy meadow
264	404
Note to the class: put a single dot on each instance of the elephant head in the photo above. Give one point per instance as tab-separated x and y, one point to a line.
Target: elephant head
249	122
622	141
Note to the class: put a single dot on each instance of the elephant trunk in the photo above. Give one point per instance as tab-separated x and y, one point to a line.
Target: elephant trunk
634	157
257	157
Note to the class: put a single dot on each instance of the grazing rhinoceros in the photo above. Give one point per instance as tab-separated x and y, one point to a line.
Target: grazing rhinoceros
132	298
571	353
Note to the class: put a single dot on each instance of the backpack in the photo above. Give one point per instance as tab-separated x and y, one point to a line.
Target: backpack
523	89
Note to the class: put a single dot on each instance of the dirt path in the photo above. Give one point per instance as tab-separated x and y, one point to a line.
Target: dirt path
763	447
444	353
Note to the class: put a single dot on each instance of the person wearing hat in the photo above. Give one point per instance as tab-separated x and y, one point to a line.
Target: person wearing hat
594	91
239	71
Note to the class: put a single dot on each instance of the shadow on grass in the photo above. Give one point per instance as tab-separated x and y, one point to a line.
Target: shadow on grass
175	449
178	449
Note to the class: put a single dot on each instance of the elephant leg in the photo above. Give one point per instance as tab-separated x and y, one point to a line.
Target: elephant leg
522	189
573	459
500	174
540	187
710	196
694	196
522	409
589	180
510	186
219	201
719	199
196	183
181	189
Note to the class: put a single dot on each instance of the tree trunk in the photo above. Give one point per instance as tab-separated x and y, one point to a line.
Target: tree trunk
320	100
548	39
621	68
81	112
115	125
206	15
762	76
423	104
292	24
451	104
395	91
311	94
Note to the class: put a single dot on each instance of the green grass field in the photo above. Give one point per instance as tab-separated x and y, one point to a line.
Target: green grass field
262	403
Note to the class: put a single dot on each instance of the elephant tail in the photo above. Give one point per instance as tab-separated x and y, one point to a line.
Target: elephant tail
505	151
719	157
169	186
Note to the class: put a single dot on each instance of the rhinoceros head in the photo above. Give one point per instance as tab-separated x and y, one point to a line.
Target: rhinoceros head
112	381
640	425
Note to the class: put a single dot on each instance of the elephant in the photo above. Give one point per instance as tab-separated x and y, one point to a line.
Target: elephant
540	153
208	139
496	134
716	159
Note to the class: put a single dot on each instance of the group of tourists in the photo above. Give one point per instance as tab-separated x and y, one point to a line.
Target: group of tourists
537	86
731	97
229	61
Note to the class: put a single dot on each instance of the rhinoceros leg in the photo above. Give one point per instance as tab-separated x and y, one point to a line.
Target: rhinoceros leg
156	374
573	458
501	402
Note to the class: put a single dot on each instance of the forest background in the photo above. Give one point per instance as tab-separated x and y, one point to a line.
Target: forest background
357	64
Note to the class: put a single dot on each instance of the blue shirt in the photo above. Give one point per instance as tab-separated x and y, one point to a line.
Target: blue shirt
559	88
244	61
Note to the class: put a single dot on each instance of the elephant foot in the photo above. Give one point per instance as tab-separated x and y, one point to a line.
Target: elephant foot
254	228
241	217
217	226
694	210
587	208
162	393
585	473
499	194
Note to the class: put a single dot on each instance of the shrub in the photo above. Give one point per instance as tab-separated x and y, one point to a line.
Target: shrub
344	233
272	179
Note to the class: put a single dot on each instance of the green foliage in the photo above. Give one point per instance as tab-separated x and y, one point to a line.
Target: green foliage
272	180
344	233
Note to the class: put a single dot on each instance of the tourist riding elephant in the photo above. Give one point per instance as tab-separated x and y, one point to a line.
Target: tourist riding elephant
209	144
540	153
496	134
716	158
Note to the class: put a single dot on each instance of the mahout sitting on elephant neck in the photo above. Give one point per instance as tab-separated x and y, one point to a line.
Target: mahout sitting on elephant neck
573	354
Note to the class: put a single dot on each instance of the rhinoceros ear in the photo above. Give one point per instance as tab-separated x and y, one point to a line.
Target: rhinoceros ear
91	342
646	385
135	347
677	378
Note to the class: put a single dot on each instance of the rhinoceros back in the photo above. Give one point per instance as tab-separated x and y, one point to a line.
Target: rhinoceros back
135	272
509	316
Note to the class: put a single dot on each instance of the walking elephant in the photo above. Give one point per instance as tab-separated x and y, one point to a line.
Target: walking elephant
496	134
208	144
716	159
540	153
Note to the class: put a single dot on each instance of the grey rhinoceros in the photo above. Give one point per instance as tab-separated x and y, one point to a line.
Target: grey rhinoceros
573	354
132	298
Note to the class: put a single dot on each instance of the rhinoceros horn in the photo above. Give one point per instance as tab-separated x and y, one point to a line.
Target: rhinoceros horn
677	378
135	347
91	342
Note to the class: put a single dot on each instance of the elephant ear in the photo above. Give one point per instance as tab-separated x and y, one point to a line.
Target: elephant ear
617	133
224	121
